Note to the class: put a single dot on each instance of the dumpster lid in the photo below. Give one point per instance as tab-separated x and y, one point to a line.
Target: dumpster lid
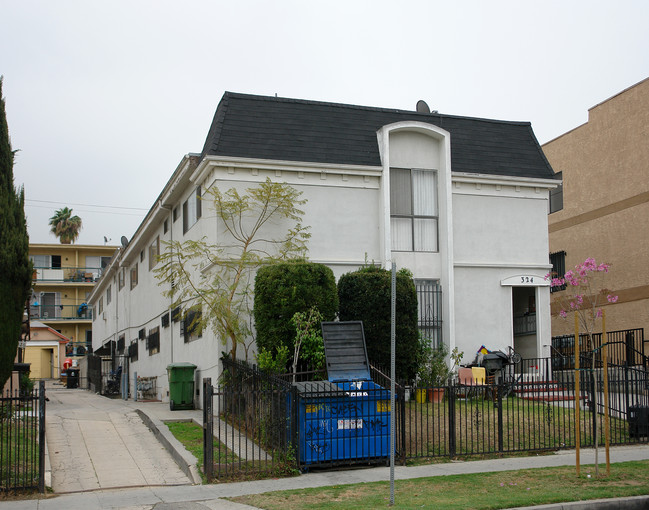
181	364
345	351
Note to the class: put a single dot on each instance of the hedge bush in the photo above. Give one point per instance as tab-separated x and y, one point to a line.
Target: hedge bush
365	295
283	289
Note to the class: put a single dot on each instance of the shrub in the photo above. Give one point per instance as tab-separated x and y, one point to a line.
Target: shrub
282	290
365	295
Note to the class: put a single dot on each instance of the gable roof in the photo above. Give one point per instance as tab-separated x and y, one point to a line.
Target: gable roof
261	127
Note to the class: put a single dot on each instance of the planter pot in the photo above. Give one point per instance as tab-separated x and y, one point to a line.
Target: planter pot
436	395
420	395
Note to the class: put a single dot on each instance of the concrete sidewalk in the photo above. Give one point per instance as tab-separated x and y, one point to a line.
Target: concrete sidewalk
210	496
95	442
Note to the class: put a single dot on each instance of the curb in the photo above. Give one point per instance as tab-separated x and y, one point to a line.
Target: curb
631	503
185	460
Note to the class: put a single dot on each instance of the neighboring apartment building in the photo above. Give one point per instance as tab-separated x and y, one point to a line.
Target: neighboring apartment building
461	202
603	211
64	275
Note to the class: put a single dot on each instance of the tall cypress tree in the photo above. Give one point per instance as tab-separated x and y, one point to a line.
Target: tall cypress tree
15	267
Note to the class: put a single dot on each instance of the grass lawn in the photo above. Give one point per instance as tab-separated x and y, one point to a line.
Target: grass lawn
472	491
18	454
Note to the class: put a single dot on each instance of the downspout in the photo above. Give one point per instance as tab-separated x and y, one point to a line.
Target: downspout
171	238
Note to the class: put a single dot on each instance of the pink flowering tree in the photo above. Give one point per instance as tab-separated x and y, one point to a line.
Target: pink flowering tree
584	294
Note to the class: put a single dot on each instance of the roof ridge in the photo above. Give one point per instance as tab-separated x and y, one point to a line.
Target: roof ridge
281	99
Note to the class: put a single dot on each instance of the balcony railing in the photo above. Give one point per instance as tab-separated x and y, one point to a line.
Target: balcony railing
67	274
60	312
525	324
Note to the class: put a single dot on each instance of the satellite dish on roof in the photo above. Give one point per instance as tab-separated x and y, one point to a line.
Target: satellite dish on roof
422	107
124	241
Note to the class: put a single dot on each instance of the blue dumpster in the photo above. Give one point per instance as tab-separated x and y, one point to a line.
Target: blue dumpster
345	419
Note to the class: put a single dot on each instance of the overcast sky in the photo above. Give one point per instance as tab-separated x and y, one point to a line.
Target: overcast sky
104	98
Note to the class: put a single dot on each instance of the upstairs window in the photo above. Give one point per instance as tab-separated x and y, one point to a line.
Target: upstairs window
108	294
413	210
134	276
154	251
121	278
556	195
558	261
192	210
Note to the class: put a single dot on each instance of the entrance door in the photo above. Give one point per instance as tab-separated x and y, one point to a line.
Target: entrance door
525	323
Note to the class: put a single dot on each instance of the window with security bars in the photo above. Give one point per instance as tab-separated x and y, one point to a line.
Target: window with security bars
191	327
429	312
558	261
132	350
153	341
413	210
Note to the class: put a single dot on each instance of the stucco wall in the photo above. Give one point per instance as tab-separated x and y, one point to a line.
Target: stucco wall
606	201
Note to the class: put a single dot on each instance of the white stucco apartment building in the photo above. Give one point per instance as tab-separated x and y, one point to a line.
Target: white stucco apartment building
461	202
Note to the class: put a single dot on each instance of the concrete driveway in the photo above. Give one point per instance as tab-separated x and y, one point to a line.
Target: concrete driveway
99	443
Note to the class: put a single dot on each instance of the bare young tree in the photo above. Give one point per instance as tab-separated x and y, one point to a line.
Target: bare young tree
260	226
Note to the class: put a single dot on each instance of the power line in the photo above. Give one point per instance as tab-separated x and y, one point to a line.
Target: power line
139	215
85	205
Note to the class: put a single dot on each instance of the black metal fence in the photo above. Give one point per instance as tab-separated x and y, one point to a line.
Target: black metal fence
248	424
267	425
625	348
22	440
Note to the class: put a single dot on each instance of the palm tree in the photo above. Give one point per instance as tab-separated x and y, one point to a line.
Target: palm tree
65	226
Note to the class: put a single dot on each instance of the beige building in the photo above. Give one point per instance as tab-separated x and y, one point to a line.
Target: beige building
64	275
45	351
603	211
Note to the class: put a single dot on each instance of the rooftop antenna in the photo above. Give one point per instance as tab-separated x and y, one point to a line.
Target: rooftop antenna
124	241
422	107
106	240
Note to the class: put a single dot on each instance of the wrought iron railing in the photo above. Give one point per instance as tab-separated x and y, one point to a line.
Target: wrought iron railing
67	274
48	312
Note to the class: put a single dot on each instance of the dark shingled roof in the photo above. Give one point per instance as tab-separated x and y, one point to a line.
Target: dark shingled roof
261	127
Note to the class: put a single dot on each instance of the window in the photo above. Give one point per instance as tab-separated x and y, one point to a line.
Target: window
154	251
121	278
429	313
413	210
153	341
101	305
556	195
192	210
175	314
96	265
142	256
132	351
108	292
558	261
164	320
49	306
46	261
121	344
134	276
174	215
141	334
165	227
191	327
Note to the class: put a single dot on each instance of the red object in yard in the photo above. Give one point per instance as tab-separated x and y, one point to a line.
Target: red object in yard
67	364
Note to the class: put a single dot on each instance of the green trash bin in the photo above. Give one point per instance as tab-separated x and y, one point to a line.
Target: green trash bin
181	385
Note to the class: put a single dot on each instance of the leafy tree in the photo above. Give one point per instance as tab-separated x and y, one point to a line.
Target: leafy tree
259	227
15	267
65	226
